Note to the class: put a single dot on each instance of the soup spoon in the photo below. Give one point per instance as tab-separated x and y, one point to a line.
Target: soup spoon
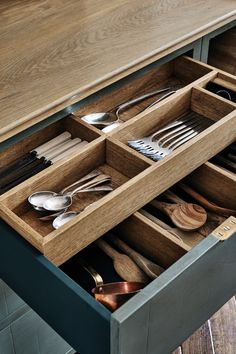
60	202
37	199
103	119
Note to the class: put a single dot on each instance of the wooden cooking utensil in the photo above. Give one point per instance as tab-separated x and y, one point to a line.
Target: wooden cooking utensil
125	267
213	220
190	238
186	216
206	203
150	268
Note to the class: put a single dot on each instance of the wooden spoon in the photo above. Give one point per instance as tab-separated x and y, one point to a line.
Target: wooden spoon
213	220
206	203
186	216
150	268
189	238
125	267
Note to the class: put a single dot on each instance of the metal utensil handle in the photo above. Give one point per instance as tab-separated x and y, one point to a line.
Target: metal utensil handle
92	174
138	99
94	182
52	143
97	189
159	100
177	122
94	274
179	130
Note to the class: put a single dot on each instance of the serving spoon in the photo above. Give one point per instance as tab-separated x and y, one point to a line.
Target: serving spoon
103	119
186	216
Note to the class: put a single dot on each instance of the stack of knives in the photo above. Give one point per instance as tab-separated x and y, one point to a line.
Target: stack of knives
56	149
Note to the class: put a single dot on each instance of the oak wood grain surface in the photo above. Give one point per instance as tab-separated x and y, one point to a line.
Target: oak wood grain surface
56	52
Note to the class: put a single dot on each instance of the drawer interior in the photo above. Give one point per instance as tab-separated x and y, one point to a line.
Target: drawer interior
174	74
222	51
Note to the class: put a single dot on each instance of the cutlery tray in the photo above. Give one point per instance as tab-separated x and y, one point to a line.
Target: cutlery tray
136	179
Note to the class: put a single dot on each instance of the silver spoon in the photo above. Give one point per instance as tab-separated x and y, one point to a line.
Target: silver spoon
59	202
95	189
118	122
63	218
37	199
104	119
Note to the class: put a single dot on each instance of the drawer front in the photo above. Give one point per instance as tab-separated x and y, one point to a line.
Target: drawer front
173	306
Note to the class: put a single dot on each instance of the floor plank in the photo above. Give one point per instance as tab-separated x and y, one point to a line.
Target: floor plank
223	327
200	342
216	336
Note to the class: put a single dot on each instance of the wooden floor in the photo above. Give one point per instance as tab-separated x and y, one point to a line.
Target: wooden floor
216	336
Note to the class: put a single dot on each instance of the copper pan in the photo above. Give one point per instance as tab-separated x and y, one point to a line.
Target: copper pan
111	295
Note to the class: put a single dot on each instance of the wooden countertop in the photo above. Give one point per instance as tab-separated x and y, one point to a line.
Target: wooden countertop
55	52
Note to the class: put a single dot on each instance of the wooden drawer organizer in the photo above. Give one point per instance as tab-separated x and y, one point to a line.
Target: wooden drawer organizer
136	179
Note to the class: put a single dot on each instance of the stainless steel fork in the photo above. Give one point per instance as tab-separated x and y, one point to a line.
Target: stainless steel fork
170	137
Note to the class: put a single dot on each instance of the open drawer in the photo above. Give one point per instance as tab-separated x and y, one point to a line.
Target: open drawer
196	282
135	179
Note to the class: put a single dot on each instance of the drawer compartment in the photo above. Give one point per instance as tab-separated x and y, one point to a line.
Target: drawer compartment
205	180
175	74
61	244
196	101
192	283
223	85
222	51
21	148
